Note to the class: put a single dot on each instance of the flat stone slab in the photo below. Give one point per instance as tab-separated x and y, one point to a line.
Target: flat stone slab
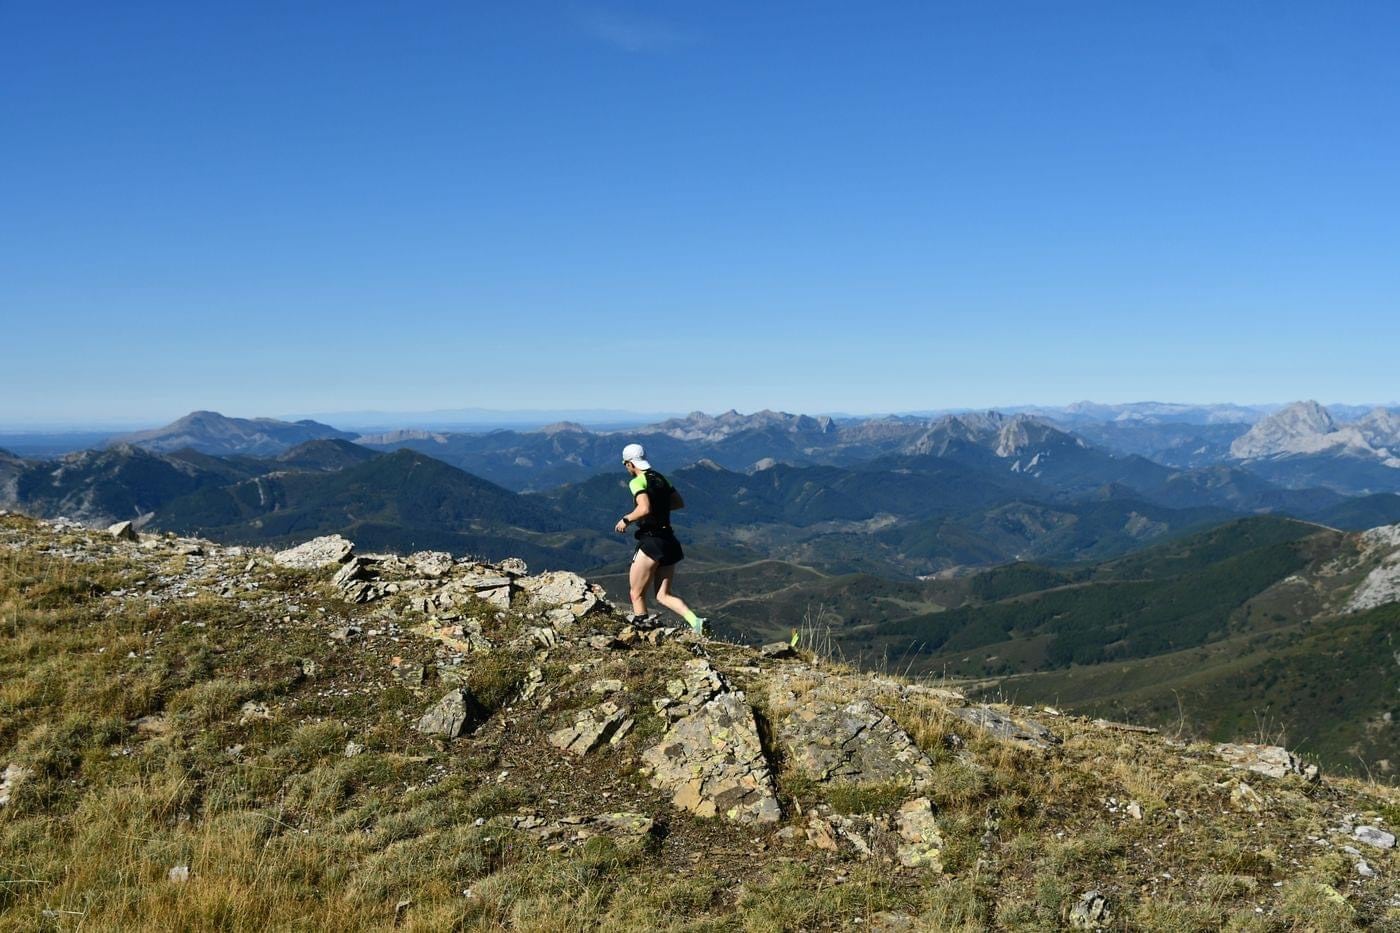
1373	836
325	551
562	589
855	742
1007	728
591	728
1273	761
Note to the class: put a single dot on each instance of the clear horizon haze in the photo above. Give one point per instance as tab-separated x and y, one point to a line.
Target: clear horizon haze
265	208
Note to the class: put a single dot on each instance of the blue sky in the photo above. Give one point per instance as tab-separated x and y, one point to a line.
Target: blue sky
266	208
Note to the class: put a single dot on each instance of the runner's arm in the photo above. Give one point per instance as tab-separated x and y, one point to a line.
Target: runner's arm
642	510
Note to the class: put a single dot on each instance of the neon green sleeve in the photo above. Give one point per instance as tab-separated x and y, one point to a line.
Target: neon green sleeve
638	484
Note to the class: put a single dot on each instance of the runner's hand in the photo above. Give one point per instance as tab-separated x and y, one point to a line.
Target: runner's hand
620	527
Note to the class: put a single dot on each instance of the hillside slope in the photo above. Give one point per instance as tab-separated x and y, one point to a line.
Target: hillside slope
366	742
404	500
1245	624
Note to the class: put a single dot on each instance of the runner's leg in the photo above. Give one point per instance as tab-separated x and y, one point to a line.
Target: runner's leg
662	580
638	577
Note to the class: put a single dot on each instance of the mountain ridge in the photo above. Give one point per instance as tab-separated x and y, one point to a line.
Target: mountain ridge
355	740
211	432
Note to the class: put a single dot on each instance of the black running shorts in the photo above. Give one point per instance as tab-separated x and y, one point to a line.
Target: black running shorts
662	548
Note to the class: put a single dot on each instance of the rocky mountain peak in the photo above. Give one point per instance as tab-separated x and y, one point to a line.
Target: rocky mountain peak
1309	428
698	426
563	427
402	436
406	712
1381	428
210	432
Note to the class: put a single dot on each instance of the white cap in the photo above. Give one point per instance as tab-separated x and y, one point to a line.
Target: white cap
636	455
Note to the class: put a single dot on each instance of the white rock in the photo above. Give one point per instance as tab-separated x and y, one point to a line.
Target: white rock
318	552
14	776
124	531
1374	836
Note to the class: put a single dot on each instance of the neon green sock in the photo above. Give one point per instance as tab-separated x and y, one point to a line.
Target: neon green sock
691	617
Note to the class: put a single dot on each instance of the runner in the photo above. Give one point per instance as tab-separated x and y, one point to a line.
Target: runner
658	551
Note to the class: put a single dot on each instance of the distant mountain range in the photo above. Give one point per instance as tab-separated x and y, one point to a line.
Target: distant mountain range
1111	565
1347	449
900	496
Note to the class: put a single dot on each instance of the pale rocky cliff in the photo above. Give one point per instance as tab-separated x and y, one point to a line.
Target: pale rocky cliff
1308	428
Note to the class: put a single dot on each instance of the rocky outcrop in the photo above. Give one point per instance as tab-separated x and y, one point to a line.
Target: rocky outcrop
1381	585
827	730
713	762
852	742
697	683
591	728
564	590
327	551
909	837
525	716
1269	760
453	715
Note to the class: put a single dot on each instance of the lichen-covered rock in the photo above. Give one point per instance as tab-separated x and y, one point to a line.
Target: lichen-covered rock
624	825
409	673
318	552
1090	912
855	742
1269	760
591	728
713	763
831	730
1007	728
918	828
698	683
